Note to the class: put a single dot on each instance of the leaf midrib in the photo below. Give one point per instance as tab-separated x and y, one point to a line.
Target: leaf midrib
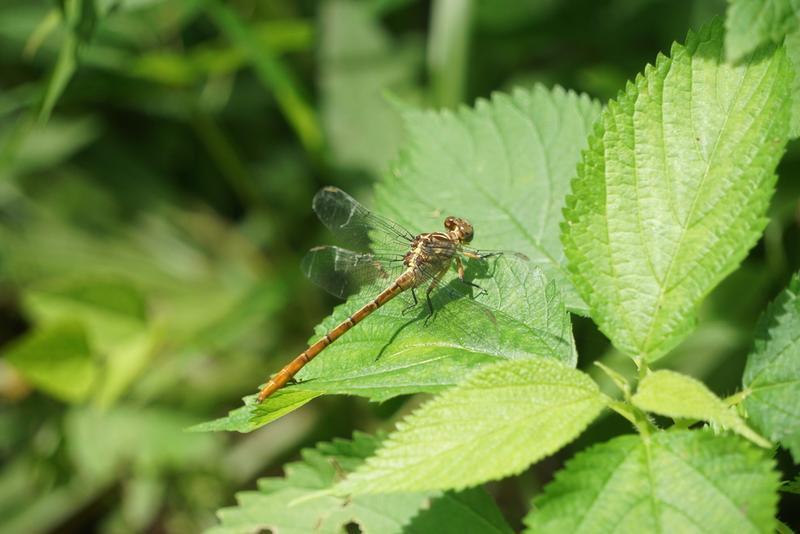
690	214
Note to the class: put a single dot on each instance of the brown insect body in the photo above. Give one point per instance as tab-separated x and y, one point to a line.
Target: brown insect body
428	260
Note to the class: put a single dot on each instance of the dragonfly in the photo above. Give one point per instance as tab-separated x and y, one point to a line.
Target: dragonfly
393	261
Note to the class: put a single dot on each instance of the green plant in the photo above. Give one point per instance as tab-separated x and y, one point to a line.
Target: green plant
157	159
672	188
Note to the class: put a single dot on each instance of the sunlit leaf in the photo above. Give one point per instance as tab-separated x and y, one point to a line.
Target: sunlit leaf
253	415
498	422
687	481
293	504
504	165
676	395
673	190
753	23
772	375
391	353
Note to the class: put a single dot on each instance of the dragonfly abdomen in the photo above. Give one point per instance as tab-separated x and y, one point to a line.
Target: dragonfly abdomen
403	282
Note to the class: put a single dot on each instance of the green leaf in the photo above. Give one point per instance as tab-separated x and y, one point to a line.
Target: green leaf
686	481
753	23
673	190
392	353
499	421
294	505
772	376
112	309
113	312
80	19
676	395
792	45
56	359
359	61
253	415
504	165
791	486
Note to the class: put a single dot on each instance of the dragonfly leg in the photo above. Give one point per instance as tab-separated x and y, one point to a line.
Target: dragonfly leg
478	256
411	306
460	266
433	285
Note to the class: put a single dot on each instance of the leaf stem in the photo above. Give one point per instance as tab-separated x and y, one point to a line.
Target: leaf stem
448	50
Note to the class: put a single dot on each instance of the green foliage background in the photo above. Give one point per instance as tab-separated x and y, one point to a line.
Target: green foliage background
157	164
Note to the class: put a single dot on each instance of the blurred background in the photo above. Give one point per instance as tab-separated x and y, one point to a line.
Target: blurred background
157	163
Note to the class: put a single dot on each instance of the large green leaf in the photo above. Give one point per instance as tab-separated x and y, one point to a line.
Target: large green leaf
292	504
521	316
56	359
686	481
772	375
504	165
672	192
753	23
676	395
498	422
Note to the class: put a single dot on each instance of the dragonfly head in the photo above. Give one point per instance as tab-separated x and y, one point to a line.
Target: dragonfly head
460	229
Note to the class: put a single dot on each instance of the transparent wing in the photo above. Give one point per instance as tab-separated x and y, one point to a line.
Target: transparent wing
355	225
342	272
473	323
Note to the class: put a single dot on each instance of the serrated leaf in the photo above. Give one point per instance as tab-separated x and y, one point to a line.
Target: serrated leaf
676	395
503	418
392	353
672	192
292	504
684	481
253	415
772	374
56	359
792	45
753	23
504	165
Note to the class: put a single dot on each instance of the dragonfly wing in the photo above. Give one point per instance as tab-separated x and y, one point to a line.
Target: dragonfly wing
356	225
342	272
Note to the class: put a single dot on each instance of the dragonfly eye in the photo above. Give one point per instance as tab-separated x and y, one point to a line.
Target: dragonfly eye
467	233
450	223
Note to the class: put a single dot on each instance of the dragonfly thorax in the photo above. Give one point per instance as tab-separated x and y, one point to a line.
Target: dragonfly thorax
431	252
